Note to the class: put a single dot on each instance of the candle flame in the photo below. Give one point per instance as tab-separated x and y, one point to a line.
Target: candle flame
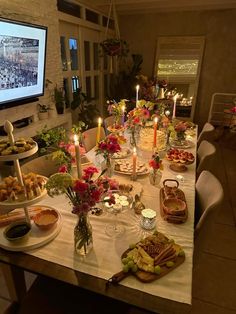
134	150
99	120
137	88
123	108
156	120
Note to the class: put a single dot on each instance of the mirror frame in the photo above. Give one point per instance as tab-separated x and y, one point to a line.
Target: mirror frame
200	40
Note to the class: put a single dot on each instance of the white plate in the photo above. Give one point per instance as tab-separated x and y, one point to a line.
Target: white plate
186	144
28	153
7	206
37	237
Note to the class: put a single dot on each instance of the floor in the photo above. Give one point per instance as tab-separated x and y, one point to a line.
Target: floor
214	273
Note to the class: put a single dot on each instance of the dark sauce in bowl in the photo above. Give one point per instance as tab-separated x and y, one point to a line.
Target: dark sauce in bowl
17	231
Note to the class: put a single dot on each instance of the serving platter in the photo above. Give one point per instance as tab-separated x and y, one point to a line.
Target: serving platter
142	258
186	144
37	237
8	205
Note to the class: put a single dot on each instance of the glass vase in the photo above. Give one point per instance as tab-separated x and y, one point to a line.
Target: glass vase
107	165
83	238
155	176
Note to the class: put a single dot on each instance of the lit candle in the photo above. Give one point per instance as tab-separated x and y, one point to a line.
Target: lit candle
155	132
77	156
99	130
174	108
134	162
123	115
137	89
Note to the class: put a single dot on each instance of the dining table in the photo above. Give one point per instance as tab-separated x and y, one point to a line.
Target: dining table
57	259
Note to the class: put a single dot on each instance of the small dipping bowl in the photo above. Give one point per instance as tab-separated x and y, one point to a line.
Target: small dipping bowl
46	219
17	231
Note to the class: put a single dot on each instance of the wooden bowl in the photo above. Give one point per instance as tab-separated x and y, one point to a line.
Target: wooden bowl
46	219
17	231
174	206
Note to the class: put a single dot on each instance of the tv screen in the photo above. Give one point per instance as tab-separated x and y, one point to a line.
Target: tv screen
22	61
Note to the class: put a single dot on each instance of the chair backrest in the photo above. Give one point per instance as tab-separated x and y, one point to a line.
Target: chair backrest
89	138
43	165
209	194
205	153
206	133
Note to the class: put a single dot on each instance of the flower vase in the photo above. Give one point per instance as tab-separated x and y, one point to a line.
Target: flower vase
83	239
108	166
155	176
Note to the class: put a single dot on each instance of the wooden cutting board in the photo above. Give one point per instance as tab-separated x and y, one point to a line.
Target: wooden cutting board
147	276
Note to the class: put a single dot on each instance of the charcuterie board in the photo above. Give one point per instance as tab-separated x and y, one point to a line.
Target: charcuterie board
150	259
173	205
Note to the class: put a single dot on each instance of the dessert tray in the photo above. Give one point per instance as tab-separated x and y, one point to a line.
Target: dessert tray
181	144
179	158
37	237
13	195
173	206
126	167
115	128
124	153
150	259
22	148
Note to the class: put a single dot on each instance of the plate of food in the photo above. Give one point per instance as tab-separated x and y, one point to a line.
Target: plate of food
13	195
181	144
22	148
180	156
125	166
124	153
150	258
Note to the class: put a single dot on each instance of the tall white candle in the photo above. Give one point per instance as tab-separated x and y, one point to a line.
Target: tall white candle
174	107
134	162
77	156
123	115
99	130
137	90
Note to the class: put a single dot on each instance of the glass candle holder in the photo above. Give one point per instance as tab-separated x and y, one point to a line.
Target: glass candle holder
148	219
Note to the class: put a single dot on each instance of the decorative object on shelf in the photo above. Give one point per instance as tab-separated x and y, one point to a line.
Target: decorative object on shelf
109	146
155	174
83	195
43	111
59	99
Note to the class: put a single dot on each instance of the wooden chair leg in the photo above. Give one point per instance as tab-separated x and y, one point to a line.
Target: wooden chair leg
15	281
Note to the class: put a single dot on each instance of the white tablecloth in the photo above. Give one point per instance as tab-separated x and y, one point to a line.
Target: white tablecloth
104	260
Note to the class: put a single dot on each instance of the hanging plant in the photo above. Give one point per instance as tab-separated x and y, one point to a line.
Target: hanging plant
115	47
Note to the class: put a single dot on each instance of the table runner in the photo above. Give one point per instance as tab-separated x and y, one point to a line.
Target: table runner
104	260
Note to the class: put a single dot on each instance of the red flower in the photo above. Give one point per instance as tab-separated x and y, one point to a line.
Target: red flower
89	172
80	186
63	169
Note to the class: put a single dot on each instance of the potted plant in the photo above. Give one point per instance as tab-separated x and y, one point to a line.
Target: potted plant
43	111
59	99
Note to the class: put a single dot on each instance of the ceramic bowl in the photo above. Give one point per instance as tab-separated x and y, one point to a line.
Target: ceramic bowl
17	231
46	219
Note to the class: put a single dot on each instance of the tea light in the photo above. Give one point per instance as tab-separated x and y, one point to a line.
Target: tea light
148	219
180	178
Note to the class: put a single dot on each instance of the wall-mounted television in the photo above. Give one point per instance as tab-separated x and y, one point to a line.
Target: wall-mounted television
22	62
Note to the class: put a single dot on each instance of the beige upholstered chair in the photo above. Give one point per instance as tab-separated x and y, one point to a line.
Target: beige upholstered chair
209	195
89	138
43	165
206	133
205	153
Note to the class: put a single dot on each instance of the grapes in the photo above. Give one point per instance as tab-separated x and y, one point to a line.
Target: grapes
170	264
130	264
181	253
157	269
132	246
125	268
134	268
125	260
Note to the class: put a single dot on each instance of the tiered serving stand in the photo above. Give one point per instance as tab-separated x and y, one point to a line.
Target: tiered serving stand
37	237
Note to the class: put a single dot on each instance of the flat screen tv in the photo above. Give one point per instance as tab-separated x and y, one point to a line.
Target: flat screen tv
22	62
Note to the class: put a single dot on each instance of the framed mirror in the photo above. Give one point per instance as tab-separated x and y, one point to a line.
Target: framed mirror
178	61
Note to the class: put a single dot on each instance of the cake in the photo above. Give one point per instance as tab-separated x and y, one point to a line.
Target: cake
147	137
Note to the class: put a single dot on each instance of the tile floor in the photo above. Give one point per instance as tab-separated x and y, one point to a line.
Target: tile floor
214	273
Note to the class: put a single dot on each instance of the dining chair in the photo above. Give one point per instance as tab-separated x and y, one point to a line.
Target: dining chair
89	138
209	195
43	165
206	133
205	155
108	122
